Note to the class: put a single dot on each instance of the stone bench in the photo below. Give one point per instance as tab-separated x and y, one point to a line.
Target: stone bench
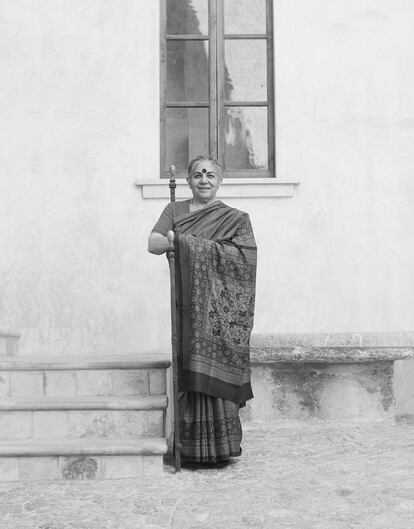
325	376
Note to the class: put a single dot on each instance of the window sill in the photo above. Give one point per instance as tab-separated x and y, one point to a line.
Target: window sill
230	188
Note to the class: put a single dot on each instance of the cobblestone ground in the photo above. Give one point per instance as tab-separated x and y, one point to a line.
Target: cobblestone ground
290	476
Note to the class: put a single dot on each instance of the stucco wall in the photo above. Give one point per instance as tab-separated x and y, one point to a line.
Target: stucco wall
79	103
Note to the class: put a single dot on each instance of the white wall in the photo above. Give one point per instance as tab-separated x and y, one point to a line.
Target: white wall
345	109
79	107
79	103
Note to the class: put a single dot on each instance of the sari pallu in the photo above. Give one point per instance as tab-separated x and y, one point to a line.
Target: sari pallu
215	285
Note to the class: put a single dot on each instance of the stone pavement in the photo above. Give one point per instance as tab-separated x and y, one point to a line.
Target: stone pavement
304	475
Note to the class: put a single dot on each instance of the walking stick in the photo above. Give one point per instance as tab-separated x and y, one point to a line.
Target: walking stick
171	261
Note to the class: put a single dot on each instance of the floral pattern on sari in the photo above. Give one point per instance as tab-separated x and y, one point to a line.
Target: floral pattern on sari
217	306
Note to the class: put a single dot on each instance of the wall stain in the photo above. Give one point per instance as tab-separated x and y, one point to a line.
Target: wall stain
80	468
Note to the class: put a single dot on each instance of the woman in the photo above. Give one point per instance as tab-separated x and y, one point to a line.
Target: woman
215	283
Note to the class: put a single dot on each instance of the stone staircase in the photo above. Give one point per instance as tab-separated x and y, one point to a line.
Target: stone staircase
99	417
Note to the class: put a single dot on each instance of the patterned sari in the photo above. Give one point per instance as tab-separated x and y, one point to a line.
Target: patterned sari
215	284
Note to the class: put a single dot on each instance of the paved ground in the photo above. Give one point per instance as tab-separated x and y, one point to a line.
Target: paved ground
290	476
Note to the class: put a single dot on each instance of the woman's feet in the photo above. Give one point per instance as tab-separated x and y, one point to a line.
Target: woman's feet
195	465
218	464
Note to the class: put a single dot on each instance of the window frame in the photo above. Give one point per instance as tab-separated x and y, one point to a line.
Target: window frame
216	103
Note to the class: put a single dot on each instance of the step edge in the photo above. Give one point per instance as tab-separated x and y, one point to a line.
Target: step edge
39	447
150	402
113	362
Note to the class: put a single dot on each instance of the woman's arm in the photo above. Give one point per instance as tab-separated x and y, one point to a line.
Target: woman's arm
157	243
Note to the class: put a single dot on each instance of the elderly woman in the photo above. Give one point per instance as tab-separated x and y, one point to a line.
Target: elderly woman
215	284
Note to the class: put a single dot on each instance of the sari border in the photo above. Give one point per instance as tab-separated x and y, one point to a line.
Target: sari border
200	383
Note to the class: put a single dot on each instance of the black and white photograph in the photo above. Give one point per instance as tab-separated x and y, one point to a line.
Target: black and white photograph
206	264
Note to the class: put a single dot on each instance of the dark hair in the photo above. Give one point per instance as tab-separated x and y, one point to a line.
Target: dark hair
204	157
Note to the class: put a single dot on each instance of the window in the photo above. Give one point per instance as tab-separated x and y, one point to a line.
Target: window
217	93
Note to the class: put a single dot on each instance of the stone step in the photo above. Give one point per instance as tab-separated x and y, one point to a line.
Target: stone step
153	402
138	375
67	447
45	363
81	424
83	459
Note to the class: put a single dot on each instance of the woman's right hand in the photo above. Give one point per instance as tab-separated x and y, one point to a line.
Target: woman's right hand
170	237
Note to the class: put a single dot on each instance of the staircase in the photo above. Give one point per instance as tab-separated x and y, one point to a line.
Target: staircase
82	418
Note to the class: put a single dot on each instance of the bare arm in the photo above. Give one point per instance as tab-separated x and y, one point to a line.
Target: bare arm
157	243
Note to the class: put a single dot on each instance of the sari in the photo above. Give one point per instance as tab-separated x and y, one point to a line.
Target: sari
215	294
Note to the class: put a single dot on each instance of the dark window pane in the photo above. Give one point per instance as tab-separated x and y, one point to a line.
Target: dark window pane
187	135
246	142
187	17
244	16
187	71
246	78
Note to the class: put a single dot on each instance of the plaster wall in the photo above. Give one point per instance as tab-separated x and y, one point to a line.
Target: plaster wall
79	101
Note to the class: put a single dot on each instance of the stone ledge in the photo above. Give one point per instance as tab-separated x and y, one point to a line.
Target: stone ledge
83	403
49	363
331	347
331	355
383	339
66	447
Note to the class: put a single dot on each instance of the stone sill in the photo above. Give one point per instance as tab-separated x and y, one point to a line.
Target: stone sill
331	348
231	188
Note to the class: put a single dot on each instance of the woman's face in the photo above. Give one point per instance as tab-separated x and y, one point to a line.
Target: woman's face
204	181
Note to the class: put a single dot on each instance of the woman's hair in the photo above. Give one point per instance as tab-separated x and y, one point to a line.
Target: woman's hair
204	157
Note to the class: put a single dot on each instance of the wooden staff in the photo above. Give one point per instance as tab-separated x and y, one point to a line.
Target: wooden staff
171	261
173	185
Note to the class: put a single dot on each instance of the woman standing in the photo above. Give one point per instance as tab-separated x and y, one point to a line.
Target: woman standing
215	286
